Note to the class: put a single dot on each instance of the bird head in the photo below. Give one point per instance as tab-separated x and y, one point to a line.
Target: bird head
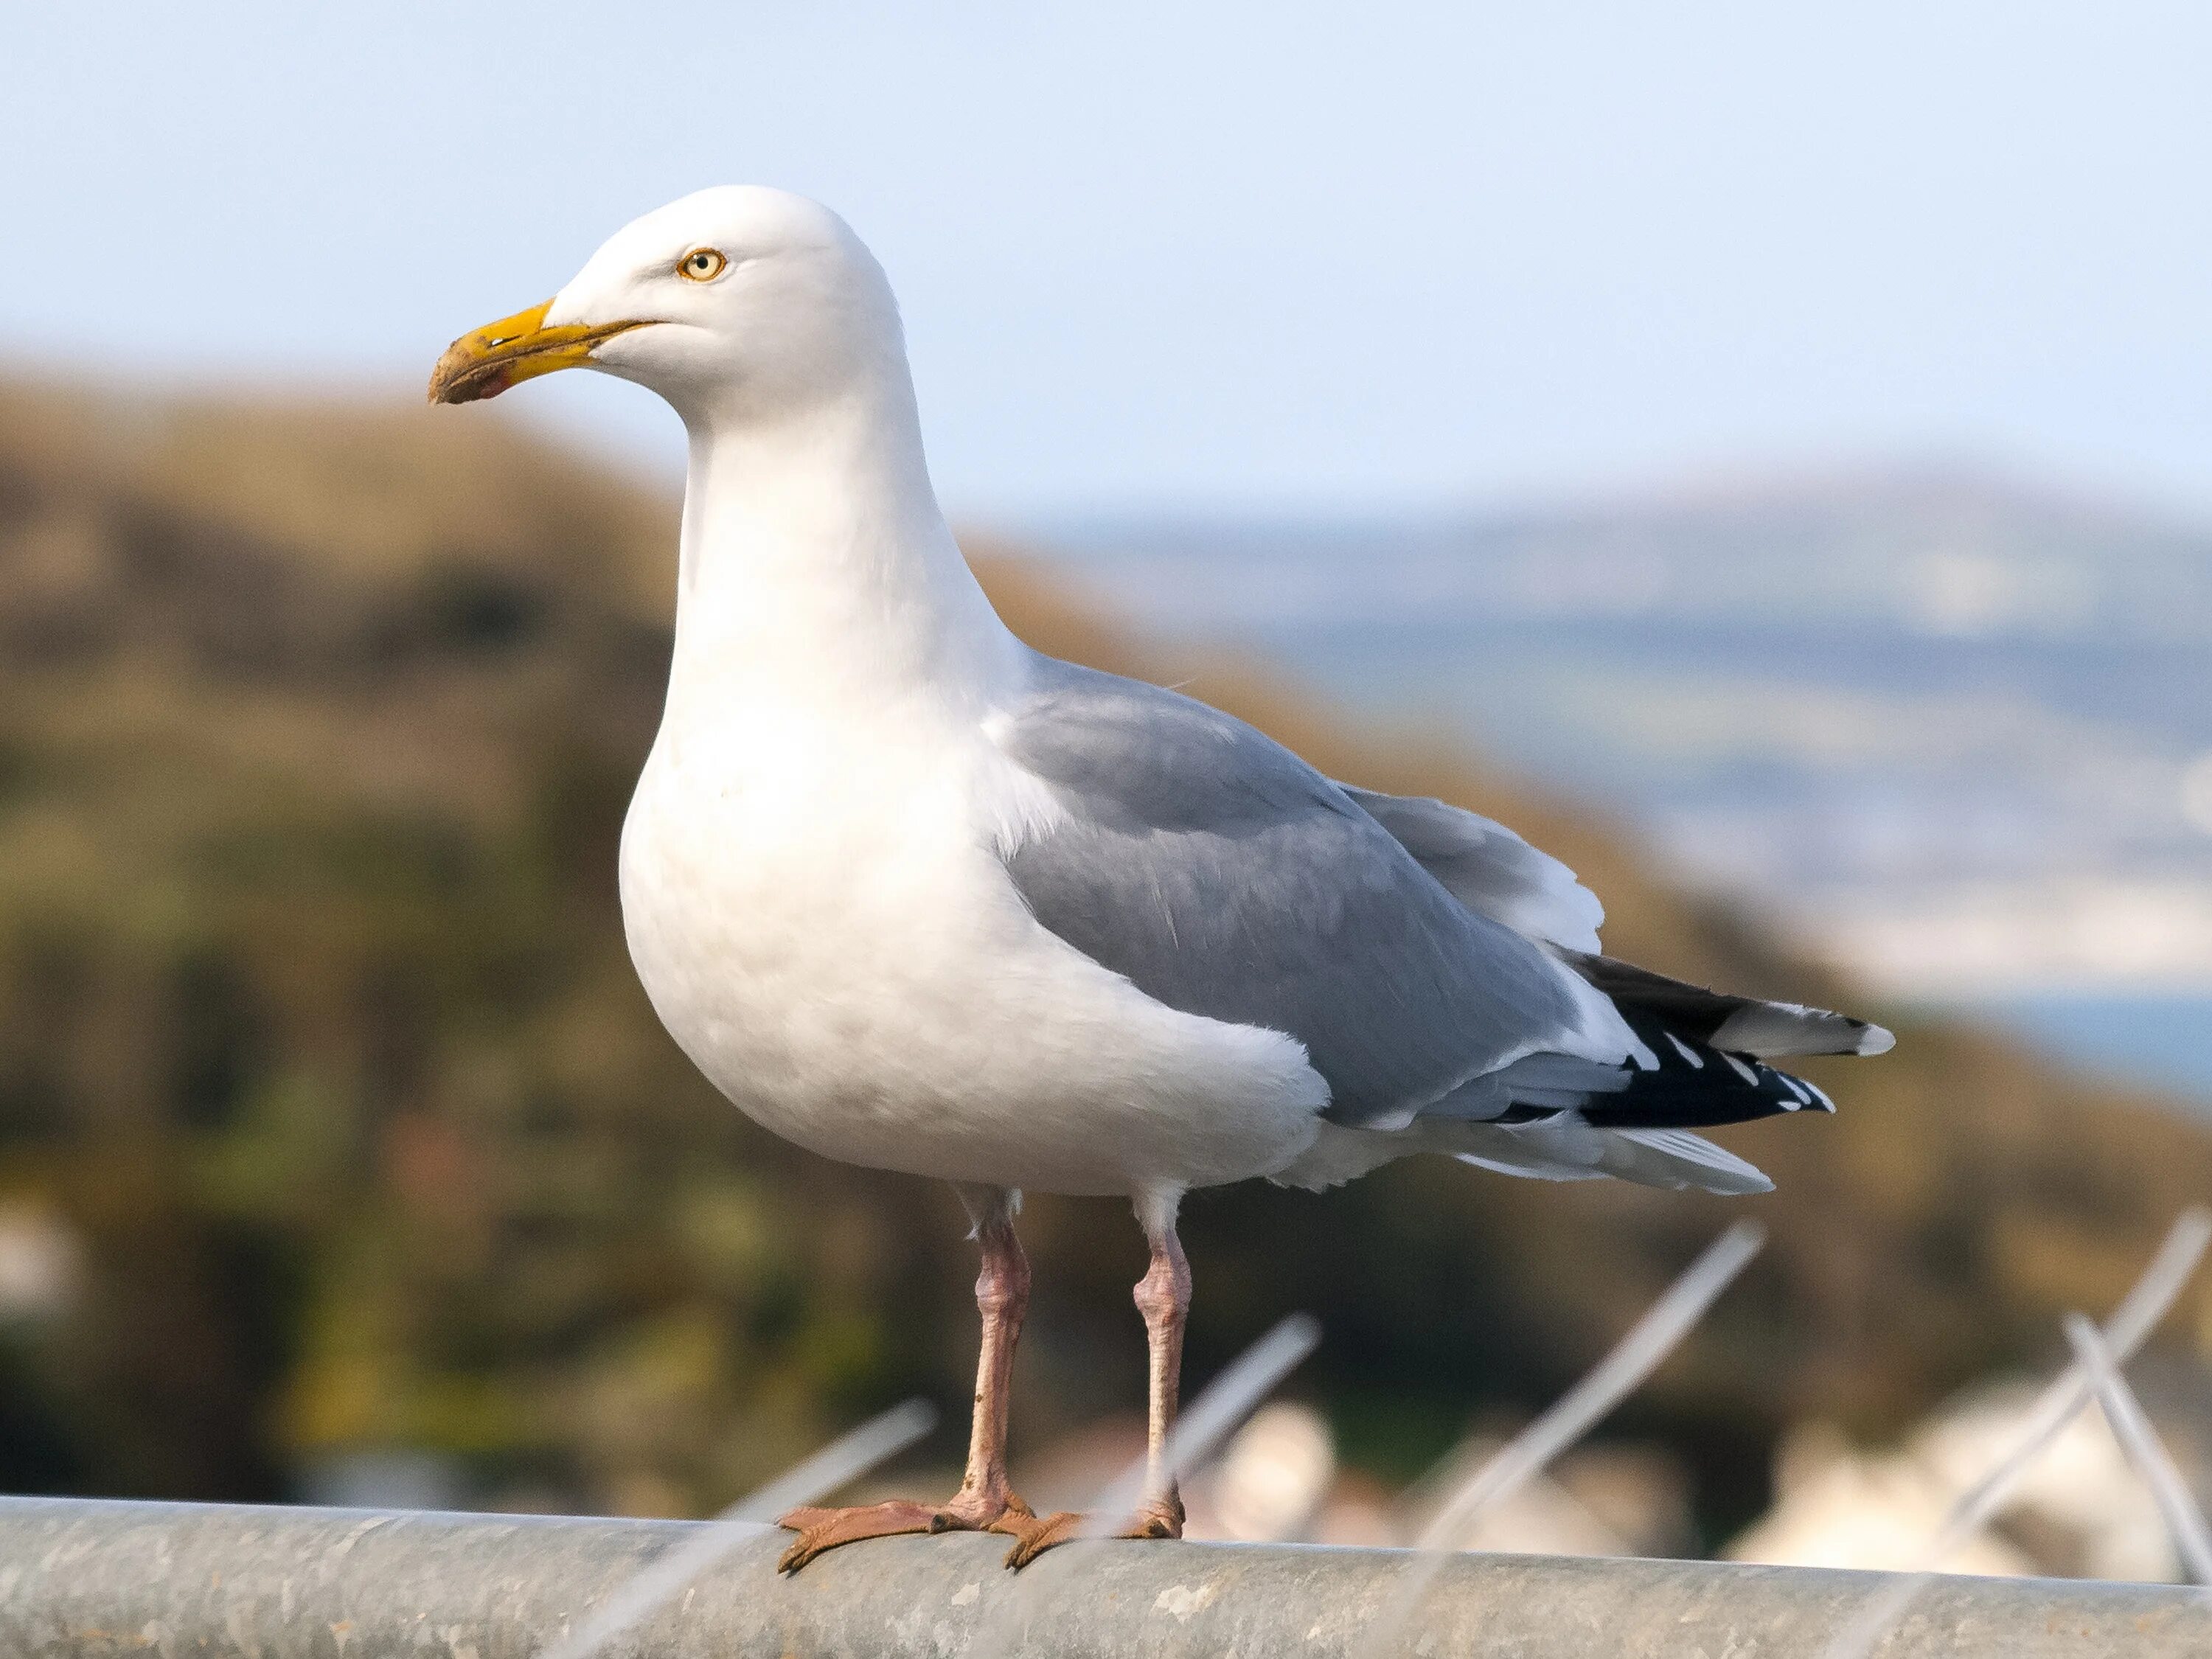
737	300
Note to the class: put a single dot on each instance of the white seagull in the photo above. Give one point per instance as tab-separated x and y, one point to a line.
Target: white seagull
915	895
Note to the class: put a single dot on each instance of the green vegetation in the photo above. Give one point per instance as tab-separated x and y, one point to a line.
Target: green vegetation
319	1042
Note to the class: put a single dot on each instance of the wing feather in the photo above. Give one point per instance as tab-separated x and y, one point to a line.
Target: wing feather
1223	876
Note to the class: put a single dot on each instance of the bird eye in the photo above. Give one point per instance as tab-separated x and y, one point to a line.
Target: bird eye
703	265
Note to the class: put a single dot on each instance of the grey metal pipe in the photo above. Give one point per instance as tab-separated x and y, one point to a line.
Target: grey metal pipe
92	1580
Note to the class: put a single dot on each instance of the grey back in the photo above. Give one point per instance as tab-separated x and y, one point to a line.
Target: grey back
1225	877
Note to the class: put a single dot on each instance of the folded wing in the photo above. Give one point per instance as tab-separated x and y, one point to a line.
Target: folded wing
1443	976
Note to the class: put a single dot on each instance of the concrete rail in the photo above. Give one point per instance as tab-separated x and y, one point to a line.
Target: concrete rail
97	1580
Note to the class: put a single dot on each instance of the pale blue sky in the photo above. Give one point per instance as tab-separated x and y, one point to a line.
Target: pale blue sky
1278	256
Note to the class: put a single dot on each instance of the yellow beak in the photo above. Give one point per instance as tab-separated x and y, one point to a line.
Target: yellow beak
514	348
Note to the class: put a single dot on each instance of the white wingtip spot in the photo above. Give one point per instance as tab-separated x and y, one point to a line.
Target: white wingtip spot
1697	1060
1742	1070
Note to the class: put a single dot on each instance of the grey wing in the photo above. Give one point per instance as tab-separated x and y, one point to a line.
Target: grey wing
1487	868
1490	869
1225	877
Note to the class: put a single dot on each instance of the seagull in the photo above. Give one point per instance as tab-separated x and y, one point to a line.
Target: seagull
917	896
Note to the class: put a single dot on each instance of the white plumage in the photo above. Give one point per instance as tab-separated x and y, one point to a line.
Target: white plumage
912	895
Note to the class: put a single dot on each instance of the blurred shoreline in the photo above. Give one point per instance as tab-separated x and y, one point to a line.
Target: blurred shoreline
1949	728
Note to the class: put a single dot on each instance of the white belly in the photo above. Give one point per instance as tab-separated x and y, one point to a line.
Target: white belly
831	939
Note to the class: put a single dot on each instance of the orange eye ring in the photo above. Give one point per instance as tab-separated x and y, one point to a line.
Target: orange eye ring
702	264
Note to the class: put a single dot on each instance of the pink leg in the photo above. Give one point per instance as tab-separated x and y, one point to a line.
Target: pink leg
984	1500
1162	1297
1002	1296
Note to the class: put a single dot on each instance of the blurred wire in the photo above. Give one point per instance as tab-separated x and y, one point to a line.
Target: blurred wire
1197	1434
842	1461
2061	1401
1637	1355
2192	1541
1213	1416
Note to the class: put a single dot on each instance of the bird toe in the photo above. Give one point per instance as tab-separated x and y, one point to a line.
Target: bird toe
1033	1535
821	1529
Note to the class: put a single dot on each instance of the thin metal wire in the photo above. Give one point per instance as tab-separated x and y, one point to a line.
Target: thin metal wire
1633	1358
2192	1540
660	1580
2062	1400
1197	1434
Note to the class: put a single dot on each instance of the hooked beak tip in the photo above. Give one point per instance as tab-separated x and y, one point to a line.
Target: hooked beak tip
486	362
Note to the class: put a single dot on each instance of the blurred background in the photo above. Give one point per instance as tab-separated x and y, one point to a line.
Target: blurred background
1763	454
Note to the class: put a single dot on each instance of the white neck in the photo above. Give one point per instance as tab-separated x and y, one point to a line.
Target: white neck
817	569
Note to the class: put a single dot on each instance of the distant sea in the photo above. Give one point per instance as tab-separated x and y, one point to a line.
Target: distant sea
2161	1040
1858	694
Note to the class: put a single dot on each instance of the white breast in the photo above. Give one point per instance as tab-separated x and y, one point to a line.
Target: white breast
819	917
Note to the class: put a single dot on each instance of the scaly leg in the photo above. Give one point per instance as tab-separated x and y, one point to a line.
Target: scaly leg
1162	1297
984	1500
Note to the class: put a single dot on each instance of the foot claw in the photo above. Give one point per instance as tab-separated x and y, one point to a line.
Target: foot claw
1033	1535
821	1529
1160	1518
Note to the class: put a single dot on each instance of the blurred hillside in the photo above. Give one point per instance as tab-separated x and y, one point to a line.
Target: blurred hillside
332	1122
1950	726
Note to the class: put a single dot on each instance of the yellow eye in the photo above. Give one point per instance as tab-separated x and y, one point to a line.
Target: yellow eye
703	265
